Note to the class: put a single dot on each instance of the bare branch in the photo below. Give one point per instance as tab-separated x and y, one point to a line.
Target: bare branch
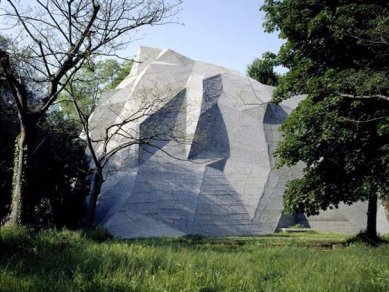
56	36
373	96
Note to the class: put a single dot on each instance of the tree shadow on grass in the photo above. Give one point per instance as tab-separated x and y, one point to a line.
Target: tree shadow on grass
363	238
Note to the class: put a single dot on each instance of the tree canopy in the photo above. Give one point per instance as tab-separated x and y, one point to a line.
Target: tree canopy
327	45
262	70
337	54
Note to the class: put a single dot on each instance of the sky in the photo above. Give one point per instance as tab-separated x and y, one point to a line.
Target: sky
228	33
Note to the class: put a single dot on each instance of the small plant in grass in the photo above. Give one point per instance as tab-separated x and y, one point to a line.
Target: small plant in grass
98	234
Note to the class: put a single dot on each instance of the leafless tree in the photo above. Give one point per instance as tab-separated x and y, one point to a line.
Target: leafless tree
151	120
52	40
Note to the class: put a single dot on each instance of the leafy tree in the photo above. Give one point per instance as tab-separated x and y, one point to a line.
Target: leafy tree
337	53
121	73
52	40
262	70
90	83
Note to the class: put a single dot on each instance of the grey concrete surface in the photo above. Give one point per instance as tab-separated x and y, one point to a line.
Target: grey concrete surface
206	166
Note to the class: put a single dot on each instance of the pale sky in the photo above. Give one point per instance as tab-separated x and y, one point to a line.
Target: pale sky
228	33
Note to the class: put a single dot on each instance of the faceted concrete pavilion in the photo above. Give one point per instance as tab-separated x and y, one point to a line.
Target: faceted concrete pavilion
213	172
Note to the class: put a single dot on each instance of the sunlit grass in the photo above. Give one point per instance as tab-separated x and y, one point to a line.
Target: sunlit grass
75	261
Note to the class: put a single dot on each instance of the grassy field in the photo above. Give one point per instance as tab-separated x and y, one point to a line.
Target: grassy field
74	261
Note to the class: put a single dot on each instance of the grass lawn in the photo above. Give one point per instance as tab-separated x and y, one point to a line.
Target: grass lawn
73	261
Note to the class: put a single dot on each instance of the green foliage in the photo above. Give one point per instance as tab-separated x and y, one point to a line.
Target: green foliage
69	261
331	46
121	73
58	170
262	69
336	52
98	234
345	160
90	83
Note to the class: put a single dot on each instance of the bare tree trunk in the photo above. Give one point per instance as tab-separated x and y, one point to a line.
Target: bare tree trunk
95	191
19	208
371	230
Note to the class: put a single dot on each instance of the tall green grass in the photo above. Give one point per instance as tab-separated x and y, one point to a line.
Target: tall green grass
75	261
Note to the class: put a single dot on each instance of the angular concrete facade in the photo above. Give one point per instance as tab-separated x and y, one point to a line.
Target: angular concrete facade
204	163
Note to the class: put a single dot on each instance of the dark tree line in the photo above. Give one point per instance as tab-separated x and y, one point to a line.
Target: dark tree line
58	168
